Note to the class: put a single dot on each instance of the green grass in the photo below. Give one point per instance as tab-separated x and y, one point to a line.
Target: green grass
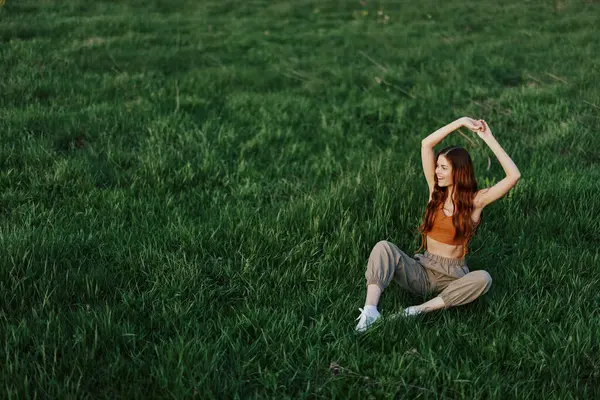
190	191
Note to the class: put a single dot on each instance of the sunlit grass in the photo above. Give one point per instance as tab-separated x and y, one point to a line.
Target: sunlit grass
190	192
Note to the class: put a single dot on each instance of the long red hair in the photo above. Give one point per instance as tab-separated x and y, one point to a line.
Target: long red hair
465	188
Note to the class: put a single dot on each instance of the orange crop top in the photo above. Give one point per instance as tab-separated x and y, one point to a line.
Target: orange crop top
443	230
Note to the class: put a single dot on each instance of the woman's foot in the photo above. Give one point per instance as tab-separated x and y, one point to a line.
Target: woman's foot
366	318
410	311
434	304
407	312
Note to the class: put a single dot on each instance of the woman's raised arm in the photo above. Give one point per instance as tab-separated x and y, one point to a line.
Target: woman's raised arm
437	136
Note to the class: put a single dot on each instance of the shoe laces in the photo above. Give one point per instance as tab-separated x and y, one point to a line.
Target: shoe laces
362	312
366	314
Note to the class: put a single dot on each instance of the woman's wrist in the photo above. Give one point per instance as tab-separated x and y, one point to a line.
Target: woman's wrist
457	124
489	138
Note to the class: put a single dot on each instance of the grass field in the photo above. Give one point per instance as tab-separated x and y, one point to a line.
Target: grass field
190	191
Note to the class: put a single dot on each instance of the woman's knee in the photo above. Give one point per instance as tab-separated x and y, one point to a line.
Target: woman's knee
381	248
382	245
483	278
381	265
466	289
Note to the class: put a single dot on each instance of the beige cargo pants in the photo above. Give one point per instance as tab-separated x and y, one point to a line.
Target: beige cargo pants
426	273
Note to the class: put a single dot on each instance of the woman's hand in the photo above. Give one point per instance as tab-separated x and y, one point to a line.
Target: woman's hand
471	124
484	133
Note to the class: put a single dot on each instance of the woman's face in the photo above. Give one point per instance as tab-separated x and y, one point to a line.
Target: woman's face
443	171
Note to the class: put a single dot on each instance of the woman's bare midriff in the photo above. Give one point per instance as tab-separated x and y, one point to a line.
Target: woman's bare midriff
443	249
448	250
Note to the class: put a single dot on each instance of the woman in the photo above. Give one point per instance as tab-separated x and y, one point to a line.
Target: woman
451	217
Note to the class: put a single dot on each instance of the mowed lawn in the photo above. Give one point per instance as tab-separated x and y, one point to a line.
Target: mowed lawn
190	191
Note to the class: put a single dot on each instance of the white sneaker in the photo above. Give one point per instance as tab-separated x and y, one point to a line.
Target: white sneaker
407	312
366	318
